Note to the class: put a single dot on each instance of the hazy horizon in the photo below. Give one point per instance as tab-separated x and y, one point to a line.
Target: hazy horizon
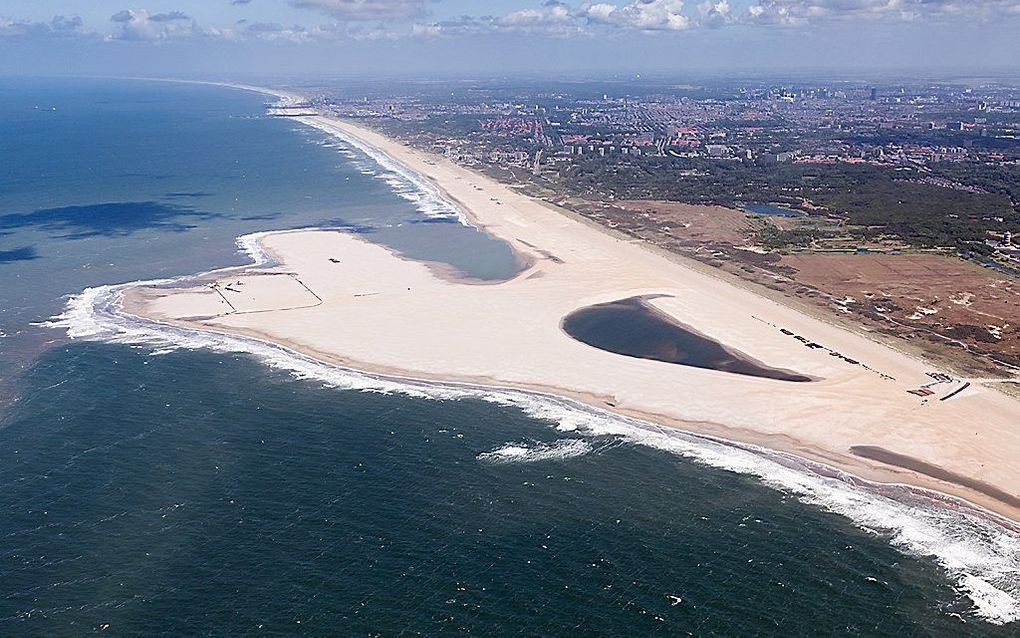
448	37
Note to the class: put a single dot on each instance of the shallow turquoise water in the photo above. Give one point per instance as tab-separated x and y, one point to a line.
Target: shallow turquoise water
106	181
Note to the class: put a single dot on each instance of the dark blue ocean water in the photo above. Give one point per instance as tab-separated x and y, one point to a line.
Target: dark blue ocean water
205	492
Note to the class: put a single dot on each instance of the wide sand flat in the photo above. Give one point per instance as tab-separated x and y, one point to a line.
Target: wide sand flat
384	313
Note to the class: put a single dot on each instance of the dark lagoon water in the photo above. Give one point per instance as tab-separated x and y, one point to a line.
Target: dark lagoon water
633	328
155	481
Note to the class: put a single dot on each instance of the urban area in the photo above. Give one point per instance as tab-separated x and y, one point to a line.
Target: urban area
895	205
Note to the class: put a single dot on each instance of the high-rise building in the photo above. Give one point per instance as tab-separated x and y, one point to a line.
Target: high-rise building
874	93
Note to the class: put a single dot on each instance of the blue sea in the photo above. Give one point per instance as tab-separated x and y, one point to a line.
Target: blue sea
159	481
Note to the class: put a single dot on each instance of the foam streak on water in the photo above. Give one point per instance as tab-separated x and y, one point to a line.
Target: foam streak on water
981	557
405	182
533	452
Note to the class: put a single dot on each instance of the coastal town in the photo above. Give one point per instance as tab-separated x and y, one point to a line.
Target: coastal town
813	123
645	140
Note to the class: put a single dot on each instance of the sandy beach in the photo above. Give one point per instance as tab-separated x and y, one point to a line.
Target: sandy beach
339	298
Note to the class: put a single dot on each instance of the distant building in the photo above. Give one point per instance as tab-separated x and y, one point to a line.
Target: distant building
874	94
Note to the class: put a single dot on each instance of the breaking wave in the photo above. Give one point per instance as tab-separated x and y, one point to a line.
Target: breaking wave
531	453
405	182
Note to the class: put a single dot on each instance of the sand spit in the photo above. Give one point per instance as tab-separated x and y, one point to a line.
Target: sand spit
335	298
384	313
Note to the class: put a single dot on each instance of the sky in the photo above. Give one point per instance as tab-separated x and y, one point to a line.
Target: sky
441	37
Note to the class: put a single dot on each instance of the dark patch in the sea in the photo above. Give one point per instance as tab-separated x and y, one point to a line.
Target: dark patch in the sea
144	176
182	194
25	253
888	457
434	220
633	328
261	218
106	220
357	229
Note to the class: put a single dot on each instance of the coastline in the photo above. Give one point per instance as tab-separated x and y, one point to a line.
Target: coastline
541	258
137	302
421	164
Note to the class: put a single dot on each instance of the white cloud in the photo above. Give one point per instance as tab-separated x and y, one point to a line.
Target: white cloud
802	12
551	18
714	14
358	10
559	19
393	19
426	30
275	32
140	26
639	15
58	27
279	33
169	16
970	8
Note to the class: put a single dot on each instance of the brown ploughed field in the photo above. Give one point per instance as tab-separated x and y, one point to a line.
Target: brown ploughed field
931	294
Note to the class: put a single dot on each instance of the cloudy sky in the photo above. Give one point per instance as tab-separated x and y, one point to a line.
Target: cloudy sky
348	37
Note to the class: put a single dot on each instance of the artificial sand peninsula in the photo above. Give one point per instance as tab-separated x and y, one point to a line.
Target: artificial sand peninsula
341	299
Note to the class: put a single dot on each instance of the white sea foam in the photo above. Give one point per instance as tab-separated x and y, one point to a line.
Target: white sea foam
534	452
405	182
